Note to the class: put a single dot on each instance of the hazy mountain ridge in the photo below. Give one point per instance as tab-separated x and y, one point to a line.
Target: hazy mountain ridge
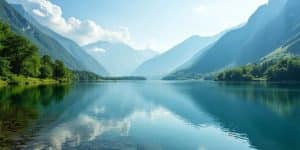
173	58
118	58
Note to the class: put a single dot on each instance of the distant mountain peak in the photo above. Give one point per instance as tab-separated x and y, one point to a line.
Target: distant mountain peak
175	57
118	58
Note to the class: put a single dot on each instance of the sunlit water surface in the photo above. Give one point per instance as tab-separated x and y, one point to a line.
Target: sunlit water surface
151	115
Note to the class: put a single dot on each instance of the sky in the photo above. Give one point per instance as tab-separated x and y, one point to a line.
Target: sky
142	24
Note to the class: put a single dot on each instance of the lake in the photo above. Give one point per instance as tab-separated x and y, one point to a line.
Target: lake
151	115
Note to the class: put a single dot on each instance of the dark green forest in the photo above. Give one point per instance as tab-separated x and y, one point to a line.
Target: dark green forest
286	69
19	57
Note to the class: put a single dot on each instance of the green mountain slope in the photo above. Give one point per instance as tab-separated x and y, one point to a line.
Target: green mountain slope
291	45
257	38
282	64
88	62
47	44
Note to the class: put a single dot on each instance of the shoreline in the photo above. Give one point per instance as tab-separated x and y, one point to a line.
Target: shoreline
28	81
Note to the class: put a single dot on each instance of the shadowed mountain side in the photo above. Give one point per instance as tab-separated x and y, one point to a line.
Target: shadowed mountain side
257	38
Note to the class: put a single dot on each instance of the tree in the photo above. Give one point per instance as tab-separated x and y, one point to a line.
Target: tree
46	69
4	31
59	70
285	70
237	74
31	67
19	56
23	55
4	66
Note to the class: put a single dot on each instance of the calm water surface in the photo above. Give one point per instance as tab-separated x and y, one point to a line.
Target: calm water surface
151	116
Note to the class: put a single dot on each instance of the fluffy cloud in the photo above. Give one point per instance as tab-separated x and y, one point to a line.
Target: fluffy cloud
83	32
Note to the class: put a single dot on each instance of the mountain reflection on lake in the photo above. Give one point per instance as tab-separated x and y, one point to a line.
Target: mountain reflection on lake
151	115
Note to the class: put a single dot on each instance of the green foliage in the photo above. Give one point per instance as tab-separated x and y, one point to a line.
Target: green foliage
22	54
46	67
21	80
4	66
287	69
237	74
60	71
2	82
90	76
20	58
85	76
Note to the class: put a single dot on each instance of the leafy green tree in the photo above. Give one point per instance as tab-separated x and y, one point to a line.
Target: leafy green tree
237	74
31	67
46	69
4	67
19	56
60	71
286	69
4	31
23	55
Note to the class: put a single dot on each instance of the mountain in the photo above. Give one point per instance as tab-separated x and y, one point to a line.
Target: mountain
87	61
291	29
247	44
47	44
173	58
118	58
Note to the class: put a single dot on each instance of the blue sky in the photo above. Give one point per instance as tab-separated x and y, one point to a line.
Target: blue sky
157	24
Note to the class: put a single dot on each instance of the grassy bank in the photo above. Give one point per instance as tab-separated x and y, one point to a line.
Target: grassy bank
2	82
21	80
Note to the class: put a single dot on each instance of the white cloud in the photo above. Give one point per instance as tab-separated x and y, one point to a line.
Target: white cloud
38	13
81	31
200	9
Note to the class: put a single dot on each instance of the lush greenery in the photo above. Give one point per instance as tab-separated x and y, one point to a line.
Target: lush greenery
125	78
286	69
20	60
85	76
2	82
89	76
181	75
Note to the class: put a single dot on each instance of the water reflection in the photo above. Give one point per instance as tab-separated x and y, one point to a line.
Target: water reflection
283	99
20	107
151	115
245	109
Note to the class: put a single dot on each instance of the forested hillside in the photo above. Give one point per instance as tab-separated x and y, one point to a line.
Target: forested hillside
47	44
20	60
